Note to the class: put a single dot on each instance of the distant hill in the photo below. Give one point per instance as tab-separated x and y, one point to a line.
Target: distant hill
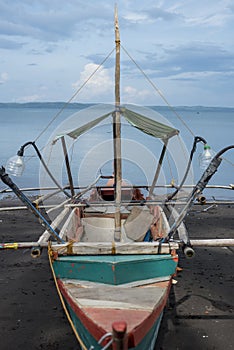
56	105
78	106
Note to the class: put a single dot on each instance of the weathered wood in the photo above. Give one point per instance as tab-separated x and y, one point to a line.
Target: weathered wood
116	297
46	235
222	242
112	248
120	248
69	229
120	339
160	281
117	134
25	208
95	315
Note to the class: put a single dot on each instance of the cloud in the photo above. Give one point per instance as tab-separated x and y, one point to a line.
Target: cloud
171	40
230	6
50	20
4	78
188	58
133	95
156	13
152	15
97	84
200	57
10	44
208	14
99	58
135	17
214	20
192	13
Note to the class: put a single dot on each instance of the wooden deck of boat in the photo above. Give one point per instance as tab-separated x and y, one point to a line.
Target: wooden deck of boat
116	297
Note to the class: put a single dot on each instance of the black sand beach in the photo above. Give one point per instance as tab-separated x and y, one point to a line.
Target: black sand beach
200	314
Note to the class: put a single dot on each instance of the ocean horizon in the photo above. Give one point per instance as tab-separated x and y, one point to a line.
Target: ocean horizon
23	122
71	105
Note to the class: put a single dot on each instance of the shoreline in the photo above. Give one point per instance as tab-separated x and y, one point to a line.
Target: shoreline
200	311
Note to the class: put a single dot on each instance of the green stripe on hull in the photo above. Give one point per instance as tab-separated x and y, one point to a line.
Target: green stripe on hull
83	333
148	343
114	270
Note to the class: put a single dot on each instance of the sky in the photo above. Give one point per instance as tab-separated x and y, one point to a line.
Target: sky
49	48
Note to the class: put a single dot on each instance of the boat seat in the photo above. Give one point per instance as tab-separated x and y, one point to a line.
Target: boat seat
98	229
144	219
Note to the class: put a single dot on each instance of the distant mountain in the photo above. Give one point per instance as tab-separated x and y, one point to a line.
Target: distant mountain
78	106
56	105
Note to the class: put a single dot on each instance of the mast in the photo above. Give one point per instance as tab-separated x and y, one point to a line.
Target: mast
117	133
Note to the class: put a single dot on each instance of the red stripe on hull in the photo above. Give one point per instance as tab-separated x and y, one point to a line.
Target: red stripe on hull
139	332
94	329
98	321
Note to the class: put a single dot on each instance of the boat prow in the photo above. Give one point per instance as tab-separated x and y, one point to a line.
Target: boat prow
123	290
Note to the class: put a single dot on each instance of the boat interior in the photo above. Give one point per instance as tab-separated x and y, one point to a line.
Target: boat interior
96	222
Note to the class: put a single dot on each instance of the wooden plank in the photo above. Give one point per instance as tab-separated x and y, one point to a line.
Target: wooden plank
109	297
122	248
114	269
139	283
98	321
114	248
46	235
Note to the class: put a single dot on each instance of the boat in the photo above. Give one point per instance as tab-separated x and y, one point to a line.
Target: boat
112	250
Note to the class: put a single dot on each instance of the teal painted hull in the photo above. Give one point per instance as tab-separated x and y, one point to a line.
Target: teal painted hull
114	270
94	311
148	343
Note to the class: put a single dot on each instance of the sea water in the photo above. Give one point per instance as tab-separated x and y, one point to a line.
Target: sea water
20	123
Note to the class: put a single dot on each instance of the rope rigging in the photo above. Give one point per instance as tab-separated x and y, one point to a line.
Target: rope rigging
163	97
158	91
90	77
74	95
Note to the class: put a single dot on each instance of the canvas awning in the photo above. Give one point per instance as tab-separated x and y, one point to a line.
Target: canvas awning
79	131
147	125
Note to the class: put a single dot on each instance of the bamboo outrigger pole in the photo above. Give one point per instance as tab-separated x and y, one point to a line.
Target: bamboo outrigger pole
117	134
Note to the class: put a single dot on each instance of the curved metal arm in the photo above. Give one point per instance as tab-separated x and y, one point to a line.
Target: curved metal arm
21	153
205	178
7	180
196	140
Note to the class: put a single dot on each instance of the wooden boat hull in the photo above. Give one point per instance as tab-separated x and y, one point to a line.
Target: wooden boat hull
90	337
101	290
114	270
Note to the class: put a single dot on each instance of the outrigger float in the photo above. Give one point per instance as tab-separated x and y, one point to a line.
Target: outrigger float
113	254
